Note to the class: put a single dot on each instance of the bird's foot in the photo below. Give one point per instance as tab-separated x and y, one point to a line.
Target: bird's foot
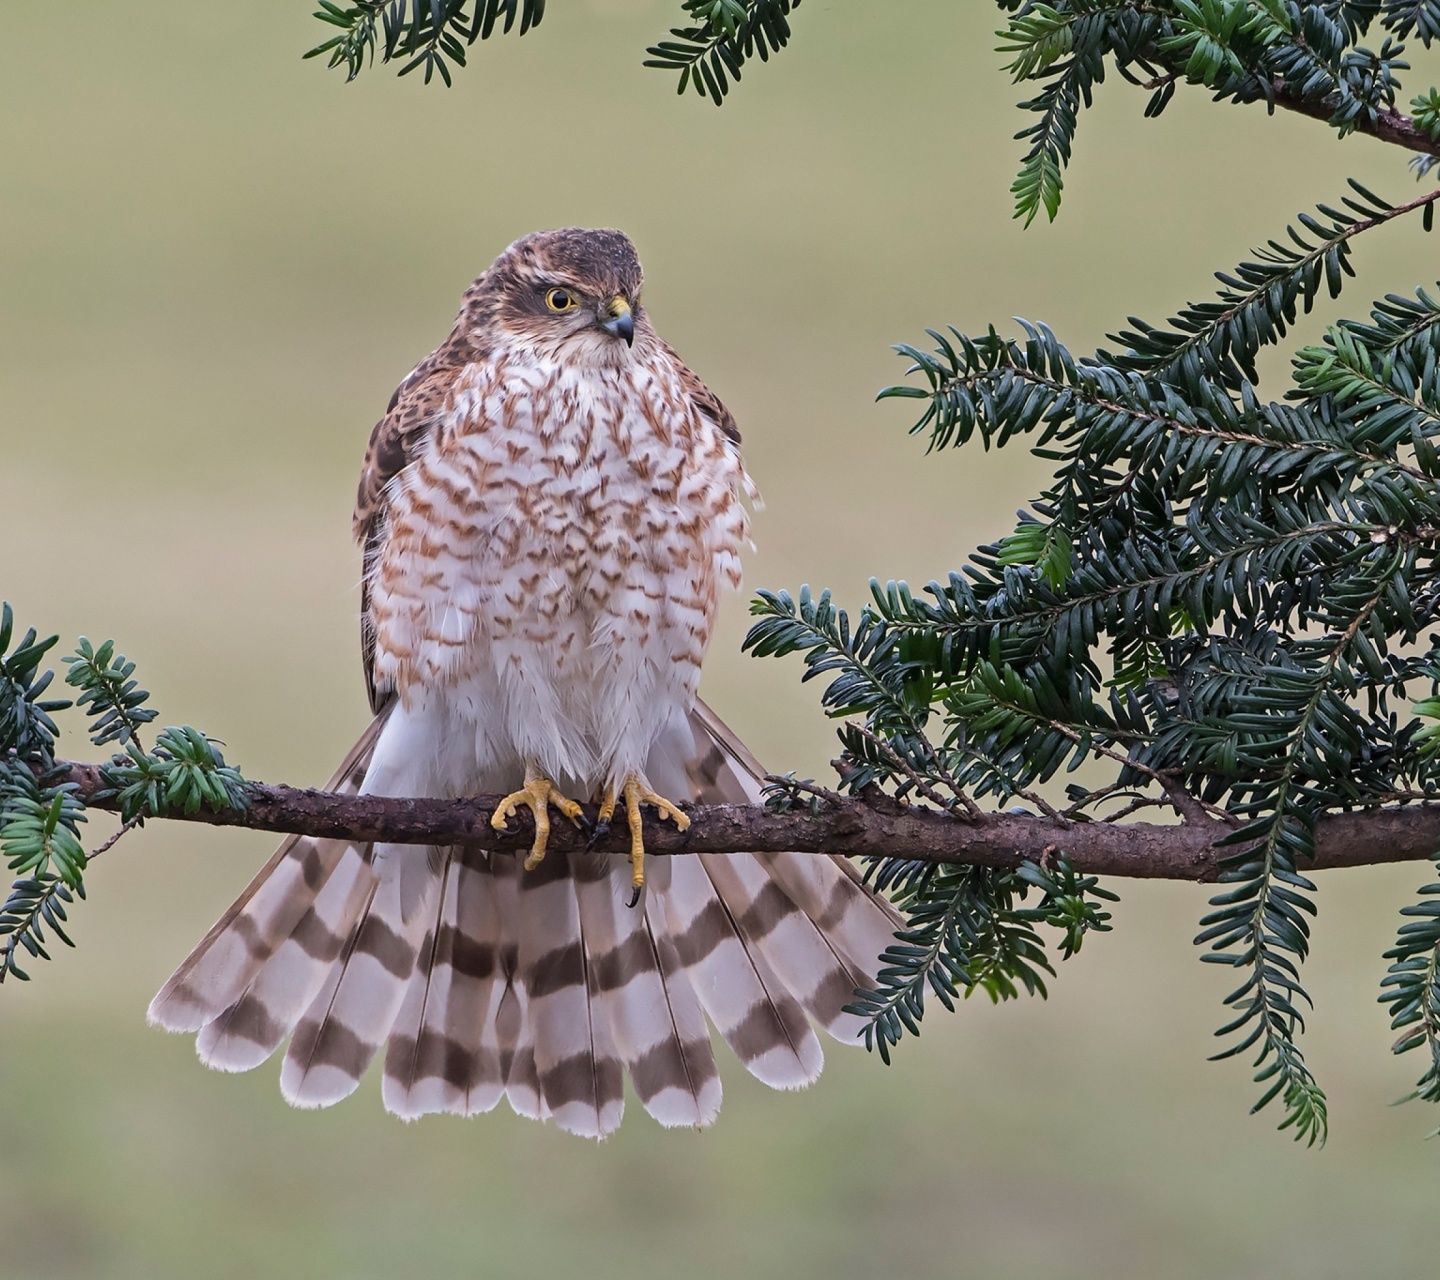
635	793
538	795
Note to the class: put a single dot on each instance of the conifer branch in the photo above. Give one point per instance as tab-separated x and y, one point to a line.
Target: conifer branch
879	828
1391	126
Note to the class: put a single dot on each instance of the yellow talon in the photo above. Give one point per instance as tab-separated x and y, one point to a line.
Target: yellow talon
537	795
635	795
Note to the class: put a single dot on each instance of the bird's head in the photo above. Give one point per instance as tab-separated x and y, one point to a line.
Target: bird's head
571	290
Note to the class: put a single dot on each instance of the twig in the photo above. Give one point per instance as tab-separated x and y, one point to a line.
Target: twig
805	788
1189	807
1390	126
114	839
1140	802
973	811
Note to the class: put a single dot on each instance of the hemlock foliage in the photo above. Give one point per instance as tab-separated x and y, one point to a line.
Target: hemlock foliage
1230	600
709	50
40	812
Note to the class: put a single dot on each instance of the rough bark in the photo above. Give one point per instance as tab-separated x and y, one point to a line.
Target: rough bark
1391	126
1183	851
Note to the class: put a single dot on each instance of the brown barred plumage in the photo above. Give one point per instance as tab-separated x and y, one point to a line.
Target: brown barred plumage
548	509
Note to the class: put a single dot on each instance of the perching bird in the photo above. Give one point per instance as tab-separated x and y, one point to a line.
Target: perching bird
548	510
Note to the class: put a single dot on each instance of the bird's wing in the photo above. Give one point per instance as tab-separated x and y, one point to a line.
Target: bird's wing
416	408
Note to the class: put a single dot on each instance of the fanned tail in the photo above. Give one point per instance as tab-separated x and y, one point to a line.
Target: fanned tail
484	981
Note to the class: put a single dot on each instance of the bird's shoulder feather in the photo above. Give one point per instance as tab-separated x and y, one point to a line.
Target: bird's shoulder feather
415	408
704	399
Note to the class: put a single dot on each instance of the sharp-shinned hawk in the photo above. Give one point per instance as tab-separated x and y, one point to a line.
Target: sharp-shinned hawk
549	509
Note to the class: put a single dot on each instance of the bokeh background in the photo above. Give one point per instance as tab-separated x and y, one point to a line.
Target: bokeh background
216	261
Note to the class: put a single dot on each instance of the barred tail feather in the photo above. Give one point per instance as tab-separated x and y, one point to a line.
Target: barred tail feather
442	1054
690	1073
514	1036
820	927
352	1015
850	920
658	1029
275	999
577	1068
750	1007
800	954
269	911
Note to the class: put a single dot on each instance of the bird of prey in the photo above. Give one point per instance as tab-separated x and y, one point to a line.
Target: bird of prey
549	509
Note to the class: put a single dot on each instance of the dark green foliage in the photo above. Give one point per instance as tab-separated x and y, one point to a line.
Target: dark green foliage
716	40
183	772
1404	17
40	838
418	33
41	812
1066	53
39	824
1427	121
1296	53
26	729
721	36
116	704
1412	987
34	905
1292	53
1221	596
968	930
1218	594
40	828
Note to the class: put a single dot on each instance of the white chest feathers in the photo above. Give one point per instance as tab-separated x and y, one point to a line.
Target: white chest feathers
553	556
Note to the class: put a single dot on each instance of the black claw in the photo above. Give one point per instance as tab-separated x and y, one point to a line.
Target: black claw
585	825
598	832
635	897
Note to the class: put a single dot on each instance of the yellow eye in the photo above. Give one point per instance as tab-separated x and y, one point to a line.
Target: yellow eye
561	300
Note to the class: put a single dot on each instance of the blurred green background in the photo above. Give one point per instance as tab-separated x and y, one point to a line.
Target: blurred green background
216	261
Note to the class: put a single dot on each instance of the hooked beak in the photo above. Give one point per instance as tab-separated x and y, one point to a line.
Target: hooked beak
621	323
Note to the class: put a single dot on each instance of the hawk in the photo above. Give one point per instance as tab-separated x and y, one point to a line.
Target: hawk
549	509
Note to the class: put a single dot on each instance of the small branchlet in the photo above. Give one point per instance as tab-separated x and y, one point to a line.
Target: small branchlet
968	931
1411	987
422	35
184	771
114	701
35	904
41	813
720	37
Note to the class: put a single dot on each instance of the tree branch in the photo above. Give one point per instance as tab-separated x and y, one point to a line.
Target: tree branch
883	827
1390	126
